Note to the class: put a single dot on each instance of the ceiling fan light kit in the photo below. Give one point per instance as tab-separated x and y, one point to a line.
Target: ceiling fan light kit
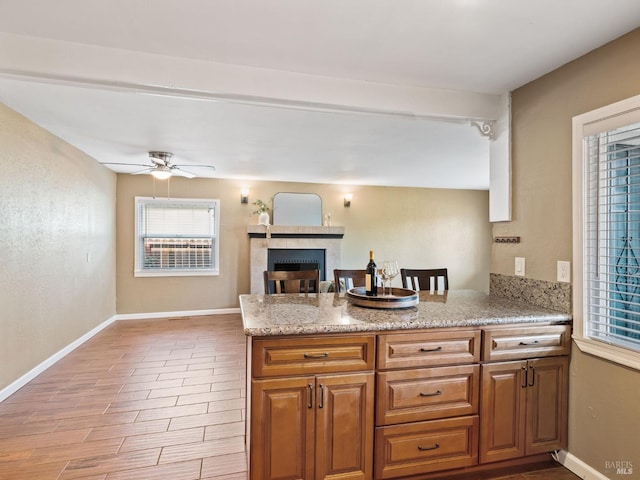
161	173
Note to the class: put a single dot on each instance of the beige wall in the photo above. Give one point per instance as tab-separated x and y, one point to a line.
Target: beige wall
418	227
604	397
57	231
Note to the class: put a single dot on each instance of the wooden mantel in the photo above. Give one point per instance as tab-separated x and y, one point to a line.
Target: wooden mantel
292	231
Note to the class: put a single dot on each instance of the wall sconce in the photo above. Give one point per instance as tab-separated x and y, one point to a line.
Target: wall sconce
244	195
347	200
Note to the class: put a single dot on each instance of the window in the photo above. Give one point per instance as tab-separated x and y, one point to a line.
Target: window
606	173
176	237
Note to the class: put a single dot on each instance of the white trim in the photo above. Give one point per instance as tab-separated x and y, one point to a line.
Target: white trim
578	467
177	273
622	356
600	119
34	372
140	271
183	313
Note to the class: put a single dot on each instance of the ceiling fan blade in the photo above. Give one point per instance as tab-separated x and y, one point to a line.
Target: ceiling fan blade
196	166
182	173
146	170
127	164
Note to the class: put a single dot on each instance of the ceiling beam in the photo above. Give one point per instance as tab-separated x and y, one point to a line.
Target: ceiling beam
55	61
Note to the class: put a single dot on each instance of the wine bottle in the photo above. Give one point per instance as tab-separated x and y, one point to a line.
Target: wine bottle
371	277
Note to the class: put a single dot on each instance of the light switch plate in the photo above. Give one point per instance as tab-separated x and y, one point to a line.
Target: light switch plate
564	271
520	266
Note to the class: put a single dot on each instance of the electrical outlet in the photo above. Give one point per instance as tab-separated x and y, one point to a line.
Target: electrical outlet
520	266
564	271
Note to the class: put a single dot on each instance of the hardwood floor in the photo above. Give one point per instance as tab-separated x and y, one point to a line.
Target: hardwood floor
143	399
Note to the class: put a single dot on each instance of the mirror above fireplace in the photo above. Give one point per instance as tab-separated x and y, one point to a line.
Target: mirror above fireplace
302	209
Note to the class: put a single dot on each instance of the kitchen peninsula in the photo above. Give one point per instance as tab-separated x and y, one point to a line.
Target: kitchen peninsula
462	381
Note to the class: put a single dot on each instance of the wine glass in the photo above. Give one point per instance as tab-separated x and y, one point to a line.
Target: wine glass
391	270
384	276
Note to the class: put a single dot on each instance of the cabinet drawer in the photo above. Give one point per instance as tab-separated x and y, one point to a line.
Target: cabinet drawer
307	355
418	448
513	343
426	349
427	394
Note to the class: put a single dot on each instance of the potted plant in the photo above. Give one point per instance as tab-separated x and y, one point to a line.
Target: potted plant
262	210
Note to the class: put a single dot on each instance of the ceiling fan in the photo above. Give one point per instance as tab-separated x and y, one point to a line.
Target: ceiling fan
161	167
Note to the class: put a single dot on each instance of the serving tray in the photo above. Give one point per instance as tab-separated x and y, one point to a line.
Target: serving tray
399	298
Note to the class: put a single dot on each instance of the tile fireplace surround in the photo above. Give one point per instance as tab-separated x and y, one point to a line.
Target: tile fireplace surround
285	236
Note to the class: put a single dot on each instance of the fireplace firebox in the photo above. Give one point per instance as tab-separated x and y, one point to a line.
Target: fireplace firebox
291	259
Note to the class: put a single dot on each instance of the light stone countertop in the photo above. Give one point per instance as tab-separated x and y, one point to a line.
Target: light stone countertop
300	314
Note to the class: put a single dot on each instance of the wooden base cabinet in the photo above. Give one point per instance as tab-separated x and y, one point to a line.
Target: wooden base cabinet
453	400
312	408
523	408
313	427
427	402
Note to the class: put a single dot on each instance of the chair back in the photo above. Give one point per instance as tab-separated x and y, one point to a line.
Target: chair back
432	279
346	279
298	281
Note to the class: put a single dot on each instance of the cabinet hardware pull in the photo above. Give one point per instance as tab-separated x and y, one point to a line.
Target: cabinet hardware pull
316	355
321	404
533	376
535	342
437	349
524	377
422	449
438	392
310	404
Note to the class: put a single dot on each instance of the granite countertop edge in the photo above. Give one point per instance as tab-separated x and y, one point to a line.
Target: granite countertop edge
440	319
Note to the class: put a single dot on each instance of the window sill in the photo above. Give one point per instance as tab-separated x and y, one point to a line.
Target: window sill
609	352
177	273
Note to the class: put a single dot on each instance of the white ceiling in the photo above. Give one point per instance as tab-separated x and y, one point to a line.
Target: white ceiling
418	47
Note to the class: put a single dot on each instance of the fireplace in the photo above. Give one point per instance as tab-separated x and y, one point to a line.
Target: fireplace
297	239
296	259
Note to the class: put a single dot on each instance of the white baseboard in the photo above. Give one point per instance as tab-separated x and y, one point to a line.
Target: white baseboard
27	377
578	467
184	313
30	375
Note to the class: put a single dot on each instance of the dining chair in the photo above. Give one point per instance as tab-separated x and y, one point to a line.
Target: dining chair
425	279
346	279
297	281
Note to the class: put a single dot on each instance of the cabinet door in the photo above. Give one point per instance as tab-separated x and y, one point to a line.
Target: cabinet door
547	404
282	416
502	411
344	426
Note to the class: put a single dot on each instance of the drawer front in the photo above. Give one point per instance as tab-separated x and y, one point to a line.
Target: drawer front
427	349
427	394
311	355
418	448
515	343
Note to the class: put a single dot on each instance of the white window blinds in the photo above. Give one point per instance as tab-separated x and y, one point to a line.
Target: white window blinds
611	237
176	237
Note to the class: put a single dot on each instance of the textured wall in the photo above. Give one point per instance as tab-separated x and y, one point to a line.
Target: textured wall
604	397
57	232
418	227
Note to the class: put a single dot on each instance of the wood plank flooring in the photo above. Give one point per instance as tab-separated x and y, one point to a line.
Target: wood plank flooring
160	399
145	399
